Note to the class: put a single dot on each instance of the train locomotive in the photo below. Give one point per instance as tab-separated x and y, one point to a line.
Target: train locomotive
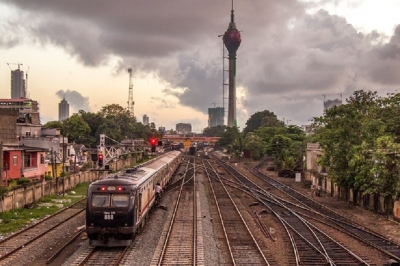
117	205
192	150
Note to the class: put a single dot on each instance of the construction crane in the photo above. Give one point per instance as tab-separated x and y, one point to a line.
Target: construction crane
19	64
131	103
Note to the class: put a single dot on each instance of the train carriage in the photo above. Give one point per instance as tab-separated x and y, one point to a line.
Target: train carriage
117	205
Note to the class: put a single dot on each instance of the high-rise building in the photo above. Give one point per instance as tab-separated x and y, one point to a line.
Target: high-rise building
215	116
18	86
145	120
63	110
331	103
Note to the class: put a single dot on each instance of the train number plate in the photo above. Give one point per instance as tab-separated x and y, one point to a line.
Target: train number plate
109	215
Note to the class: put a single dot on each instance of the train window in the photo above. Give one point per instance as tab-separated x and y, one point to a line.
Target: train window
120	200
100	200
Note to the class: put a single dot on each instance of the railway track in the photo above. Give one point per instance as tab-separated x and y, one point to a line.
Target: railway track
366	235
19	244
101	256
182	238
311	244
241	243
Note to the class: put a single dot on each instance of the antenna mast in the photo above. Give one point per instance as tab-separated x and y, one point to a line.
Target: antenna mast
131	103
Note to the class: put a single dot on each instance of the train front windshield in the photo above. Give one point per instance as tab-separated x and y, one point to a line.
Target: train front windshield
110	200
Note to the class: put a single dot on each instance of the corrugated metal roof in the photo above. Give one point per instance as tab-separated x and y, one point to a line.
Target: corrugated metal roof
23	148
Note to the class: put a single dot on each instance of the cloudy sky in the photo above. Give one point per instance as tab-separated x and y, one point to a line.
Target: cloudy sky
292	53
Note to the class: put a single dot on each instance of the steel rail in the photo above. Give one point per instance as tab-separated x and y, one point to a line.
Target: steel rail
242	219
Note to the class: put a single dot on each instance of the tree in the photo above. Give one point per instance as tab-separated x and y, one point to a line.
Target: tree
214	131
341	132
254	144
94	120
114	111
292	153
236	148
117	122
233	141
228	136
52	124
264	118
279	145
75	128
386	169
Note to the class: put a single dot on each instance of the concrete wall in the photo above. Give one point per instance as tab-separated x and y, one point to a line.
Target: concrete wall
368	203
23	196
396	210
8	130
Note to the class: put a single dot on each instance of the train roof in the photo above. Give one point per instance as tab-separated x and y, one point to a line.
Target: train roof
140	173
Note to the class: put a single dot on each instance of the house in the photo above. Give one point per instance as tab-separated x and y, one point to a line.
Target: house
78	155
22	154
23	161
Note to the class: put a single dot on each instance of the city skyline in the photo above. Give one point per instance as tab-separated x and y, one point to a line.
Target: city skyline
292	53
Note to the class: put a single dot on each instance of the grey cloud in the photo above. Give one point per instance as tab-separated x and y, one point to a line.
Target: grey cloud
280	67
75	99
383	61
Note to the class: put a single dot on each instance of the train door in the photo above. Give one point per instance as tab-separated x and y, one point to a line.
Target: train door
139	206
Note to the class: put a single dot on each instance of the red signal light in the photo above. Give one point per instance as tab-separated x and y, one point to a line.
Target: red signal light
153	141
100	160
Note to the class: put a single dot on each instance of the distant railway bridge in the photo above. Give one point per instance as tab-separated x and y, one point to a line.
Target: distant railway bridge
183	139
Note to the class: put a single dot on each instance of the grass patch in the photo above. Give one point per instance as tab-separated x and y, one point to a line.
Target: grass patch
15	220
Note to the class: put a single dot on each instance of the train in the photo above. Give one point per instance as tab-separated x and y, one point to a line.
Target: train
192	150
118	204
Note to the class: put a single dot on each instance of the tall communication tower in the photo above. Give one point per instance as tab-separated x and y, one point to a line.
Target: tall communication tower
131	103
232	40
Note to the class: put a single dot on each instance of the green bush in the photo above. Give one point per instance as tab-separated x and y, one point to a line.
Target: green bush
86	166
12	184
3	191
23	181
64	174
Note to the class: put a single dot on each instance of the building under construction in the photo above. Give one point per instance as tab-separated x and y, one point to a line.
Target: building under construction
216	116
18	84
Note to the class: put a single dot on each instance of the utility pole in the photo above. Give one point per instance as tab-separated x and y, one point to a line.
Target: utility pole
75	163
277	156
1	163
303	158
52	164
63	165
